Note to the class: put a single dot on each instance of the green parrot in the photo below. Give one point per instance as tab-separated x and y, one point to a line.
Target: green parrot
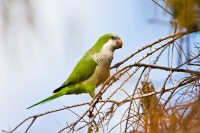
91	71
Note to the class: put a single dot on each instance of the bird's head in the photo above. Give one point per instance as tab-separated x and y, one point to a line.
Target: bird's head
115	41
109	41
112	41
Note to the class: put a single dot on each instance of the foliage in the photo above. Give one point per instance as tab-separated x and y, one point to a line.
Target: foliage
185	13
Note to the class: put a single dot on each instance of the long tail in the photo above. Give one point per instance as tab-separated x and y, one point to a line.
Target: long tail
56	95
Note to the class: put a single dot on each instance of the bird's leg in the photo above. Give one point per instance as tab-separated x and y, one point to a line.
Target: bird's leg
92	94
100	98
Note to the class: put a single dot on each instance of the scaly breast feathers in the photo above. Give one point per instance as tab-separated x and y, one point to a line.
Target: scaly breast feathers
99	76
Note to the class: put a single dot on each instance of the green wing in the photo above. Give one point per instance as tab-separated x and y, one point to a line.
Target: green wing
81	72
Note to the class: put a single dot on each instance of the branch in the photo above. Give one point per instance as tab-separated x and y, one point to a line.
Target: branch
34	117
165	68
178	35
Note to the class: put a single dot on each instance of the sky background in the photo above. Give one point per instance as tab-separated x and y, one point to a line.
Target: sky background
37	56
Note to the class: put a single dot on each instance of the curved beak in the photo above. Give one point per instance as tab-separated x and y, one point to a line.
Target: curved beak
119	43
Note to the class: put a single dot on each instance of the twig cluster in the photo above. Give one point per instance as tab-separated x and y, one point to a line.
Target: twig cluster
134	103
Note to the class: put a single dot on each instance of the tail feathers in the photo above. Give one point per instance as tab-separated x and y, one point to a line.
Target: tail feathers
56	95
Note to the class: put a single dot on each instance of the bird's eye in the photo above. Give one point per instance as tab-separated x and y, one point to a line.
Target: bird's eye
112	37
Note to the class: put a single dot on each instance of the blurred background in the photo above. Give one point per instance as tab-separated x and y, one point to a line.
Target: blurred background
42	40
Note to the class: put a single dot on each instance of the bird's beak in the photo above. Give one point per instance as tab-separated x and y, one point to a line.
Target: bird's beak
119	44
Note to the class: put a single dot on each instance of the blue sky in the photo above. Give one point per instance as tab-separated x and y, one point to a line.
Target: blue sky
36	59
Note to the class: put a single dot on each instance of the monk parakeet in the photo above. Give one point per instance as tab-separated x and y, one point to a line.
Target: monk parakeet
91	71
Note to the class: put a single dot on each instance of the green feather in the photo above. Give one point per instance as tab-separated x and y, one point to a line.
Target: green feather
83	70
99	44
56	95
86	66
